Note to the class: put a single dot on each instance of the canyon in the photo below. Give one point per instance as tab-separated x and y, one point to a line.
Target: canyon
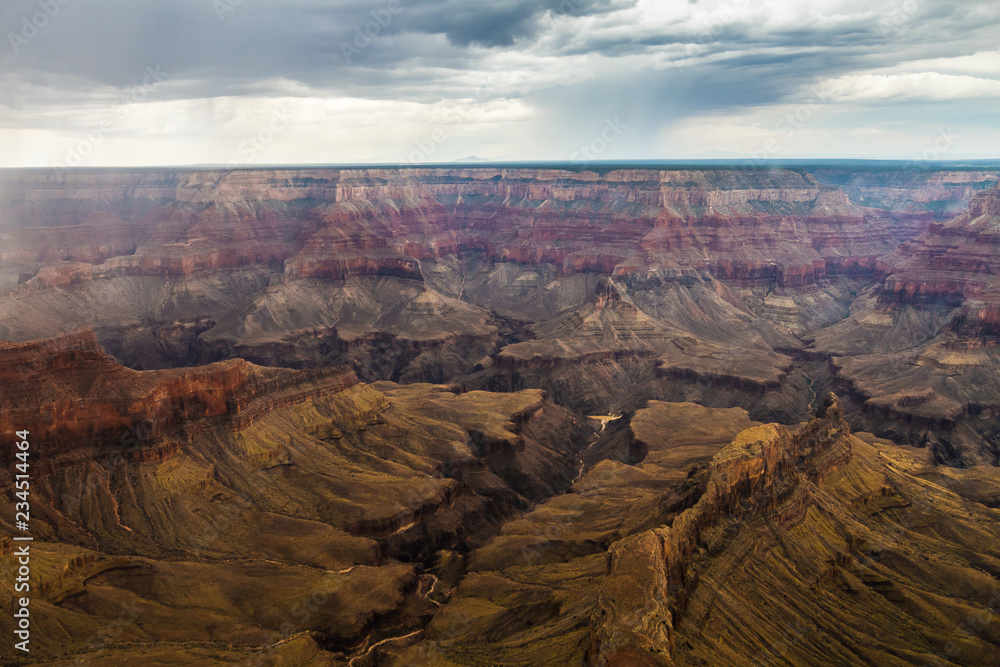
727	286
342	416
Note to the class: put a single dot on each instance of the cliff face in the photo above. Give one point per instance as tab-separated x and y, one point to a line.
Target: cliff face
259	486
333	223
81	404
464	525
499	278
917	354
761	468
957	261
775	558
695	536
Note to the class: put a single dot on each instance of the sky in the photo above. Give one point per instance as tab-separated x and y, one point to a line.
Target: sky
242	82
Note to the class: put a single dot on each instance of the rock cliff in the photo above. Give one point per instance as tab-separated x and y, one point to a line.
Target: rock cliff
235	474
728	542
754	225
760	469
212	479
730	286
917	354
80	404
954	262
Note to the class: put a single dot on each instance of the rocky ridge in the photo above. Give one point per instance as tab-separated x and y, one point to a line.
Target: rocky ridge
916	356
760	469
92	407
802	545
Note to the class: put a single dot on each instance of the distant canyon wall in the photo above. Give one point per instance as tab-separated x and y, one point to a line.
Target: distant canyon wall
789	227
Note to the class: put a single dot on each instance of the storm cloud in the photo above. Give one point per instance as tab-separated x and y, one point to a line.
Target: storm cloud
108	82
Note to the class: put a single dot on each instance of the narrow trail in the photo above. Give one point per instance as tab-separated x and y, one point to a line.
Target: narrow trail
461	287
812	394
397	638
114	504
271	647
583	464
404	527
430	590
379	643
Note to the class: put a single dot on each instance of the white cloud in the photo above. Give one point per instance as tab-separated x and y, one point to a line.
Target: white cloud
801	131
263	130
982	63
708	75
923	86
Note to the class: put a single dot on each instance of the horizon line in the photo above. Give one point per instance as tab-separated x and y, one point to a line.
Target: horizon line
573	165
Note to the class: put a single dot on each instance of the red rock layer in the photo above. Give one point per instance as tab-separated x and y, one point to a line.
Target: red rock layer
954	261
742	225
72	397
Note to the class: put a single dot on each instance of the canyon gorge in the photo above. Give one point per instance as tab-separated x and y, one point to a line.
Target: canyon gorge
518	415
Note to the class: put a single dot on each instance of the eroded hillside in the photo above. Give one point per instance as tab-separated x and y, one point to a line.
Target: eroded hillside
760	288
319	520
506	416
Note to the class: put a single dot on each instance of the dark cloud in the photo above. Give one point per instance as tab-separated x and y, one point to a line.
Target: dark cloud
497	23
112	42
107	42
716	57
490	25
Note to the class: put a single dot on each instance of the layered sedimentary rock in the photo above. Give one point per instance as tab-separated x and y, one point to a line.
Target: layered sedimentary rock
731	542
955	262
771	507
758	224
606	287
912	188
633	340
83	405
918	355
761	467
280	487
301	516
453	506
